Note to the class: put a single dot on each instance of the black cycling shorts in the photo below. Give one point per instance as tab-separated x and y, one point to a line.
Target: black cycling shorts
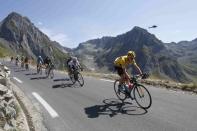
120	70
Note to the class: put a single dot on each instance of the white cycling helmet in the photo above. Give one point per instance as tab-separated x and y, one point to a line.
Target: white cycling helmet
74	59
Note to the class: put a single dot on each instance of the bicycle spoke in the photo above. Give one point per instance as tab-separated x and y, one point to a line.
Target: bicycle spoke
142	97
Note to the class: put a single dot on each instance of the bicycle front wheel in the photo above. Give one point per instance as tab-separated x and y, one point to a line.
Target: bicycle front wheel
120	94
72	78
80	79
142	96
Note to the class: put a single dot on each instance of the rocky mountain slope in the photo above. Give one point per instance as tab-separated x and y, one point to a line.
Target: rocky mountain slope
186	54
153	55
22	37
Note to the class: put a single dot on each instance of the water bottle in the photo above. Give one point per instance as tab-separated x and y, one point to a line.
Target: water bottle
126	88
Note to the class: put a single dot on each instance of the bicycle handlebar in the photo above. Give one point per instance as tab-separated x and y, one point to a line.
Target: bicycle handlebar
143	76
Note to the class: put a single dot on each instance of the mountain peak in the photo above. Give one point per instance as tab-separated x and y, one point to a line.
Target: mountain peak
14	15
139	30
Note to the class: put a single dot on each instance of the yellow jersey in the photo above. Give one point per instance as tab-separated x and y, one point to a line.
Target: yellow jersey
123	61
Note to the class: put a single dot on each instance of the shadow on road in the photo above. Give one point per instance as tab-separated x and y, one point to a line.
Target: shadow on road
30	74
20	70
38	78
113	107
65	79
62	85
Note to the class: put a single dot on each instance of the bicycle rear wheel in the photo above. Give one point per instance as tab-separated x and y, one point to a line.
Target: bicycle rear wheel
39	70
120	94
47	72
80	79
27	66
142	96
51	73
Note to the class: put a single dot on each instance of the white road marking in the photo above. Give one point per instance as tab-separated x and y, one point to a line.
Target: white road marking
17	79
51	111
106	80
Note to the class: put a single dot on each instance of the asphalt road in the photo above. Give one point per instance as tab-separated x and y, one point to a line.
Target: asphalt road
95	107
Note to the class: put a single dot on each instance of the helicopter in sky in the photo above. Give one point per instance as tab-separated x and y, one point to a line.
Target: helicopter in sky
153	26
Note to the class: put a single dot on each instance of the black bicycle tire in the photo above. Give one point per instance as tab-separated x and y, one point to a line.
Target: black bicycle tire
150	98
122	99
40	71
47	72
26	66
72	79
81	84
51	73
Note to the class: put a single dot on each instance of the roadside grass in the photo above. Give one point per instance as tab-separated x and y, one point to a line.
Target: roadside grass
189	87
4	52
154	81
101	75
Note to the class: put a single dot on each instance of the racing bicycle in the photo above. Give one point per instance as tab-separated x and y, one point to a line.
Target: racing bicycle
138	92
76	76
49	71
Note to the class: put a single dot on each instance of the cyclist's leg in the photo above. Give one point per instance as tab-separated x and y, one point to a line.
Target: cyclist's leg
120	81
127	80
37	66
47	69
121	74
69	70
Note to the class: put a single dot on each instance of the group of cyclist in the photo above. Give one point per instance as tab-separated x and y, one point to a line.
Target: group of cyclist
72	62
120	64
24	61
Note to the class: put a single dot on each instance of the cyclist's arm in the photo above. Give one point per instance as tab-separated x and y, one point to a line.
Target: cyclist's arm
42	61
78	64
138	68
125	72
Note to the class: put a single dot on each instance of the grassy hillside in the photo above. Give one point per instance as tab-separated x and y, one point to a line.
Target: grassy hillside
61	58
4	51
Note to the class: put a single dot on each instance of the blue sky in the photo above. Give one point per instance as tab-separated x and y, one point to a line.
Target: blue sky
73	21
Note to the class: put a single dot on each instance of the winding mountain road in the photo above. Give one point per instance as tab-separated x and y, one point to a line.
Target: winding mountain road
95	107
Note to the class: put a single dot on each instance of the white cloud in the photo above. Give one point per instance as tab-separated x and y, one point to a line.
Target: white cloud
40	23
59	37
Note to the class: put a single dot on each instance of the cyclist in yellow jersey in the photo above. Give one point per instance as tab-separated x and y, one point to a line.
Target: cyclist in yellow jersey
121	63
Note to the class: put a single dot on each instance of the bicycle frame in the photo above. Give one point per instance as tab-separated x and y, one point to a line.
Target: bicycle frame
74	73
